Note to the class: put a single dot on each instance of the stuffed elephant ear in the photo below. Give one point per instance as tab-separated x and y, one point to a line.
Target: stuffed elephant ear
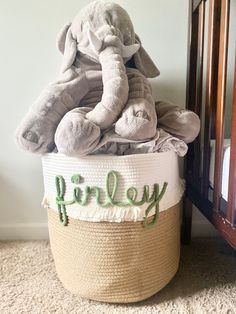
143	62
67	45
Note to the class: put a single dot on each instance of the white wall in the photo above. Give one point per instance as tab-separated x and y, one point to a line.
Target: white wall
29	60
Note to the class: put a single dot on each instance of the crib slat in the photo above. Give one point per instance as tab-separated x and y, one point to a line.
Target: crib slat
194	86
199	79
200	49
232	169
222	71
197	101
191	83
196	3
211	86
192	60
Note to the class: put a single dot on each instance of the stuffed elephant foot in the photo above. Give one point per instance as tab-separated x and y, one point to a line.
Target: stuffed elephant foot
181	123
75	134
30	137
138	120
136	126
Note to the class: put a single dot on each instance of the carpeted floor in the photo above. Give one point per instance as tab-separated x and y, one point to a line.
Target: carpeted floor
205	283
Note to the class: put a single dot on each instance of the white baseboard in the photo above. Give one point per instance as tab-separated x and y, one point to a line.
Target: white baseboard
33	231
39	231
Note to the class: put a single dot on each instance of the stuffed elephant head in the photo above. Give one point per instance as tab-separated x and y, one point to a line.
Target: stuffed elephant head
104	32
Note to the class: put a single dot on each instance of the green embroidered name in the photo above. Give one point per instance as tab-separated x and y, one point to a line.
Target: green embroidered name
111	187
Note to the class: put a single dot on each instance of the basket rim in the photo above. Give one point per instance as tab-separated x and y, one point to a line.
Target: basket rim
107	156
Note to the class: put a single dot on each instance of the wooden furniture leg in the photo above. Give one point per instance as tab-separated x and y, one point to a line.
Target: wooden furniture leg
186	220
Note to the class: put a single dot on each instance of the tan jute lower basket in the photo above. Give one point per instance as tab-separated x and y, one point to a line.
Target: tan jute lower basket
116	262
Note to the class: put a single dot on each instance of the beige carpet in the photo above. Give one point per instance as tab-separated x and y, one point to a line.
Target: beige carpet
205	283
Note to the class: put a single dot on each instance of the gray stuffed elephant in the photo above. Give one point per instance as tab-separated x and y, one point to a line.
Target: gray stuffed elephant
103	83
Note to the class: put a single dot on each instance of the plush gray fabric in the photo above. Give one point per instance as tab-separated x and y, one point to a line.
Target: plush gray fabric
181	123
176	127
36	131
95	47
111	143
76	135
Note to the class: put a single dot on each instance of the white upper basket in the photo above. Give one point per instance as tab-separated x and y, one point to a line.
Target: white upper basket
114	180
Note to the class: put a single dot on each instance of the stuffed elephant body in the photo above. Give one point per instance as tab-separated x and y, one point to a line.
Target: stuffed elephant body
103	84
95	89
58	116
76	134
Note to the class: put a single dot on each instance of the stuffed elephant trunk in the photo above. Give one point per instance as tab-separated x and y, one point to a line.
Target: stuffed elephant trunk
115	85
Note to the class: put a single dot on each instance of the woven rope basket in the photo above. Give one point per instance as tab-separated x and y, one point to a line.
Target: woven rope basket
115	260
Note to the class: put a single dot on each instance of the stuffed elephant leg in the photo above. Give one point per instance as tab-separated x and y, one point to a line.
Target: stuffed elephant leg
75	134
183	124
138	120
36	131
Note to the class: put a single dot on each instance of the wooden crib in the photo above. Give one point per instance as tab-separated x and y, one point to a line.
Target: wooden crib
206	93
